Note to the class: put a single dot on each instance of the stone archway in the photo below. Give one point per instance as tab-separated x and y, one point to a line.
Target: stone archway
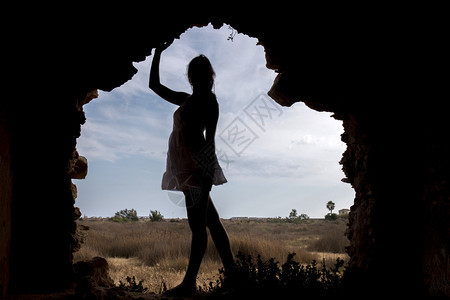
396	158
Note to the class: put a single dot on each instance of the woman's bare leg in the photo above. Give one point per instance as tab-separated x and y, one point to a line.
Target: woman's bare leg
201	214
196	205
219	236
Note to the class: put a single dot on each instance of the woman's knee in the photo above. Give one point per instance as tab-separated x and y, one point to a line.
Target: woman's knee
212	215
197	225
214	223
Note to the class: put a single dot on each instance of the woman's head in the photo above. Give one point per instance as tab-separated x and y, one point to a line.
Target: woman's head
200	73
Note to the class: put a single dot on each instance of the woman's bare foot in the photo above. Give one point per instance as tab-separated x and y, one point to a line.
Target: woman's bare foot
183	289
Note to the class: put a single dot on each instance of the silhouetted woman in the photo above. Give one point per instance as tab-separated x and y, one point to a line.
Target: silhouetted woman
192	165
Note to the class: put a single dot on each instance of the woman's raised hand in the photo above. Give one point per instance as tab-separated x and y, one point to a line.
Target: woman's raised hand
164	45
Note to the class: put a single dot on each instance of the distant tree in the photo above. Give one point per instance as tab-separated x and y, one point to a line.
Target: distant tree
303	217
330	206
125	215
293	214
295	218
156	216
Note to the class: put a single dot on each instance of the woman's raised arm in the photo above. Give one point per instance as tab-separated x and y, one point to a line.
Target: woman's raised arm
155	84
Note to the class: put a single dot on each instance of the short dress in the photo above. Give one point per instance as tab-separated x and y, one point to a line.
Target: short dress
191	161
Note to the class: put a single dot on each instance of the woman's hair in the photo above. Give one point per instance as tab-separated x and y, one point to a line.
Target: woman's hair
200	72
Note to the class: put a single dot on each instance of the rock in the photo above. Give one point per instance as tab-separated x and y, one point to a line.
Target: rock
76	213
95	271
74	190
80	169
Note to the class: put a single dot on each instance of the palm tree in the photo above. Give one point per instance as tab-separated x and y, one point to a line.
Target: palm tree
330	206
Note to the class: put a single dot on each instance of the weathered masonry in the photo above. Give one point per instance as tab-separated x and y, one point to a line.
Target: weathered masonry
367	71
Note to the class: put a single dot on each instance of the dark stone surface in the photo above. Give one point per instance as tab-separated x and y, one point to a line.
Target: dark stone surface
364	69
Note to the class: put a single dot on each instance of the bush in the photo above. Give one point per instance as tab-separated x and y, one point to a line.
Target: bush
267	278
125	215
331	217
292	218
132	286
156	216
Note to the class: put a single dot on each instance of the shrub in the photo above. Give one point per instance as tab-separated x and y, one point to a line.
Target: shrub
132	286
125	215
292	218
267	278
156	216
331	217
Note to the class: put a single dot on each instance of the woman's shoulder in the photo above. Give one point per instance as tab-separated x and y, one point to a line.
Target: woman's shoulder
213	99
209	100
214	103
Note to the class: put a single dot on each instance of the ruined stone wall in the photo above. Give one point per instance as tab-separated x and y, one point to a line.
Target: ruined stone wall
355	164
6	187
42	140
396	159
435	207
398	224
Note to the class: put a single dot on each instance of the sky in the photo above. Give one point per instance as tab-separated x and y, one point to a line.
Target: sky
275	158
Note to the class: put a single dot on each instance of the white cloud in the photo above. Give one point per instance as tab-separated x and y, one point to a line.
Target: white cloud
300	142
119	126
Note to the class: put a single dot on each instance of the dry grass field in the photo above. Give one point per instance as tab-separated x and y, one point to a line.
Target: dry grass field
157	252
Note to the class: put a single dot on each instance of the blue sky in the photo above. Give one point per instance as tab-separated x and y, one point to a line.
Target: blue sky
275	158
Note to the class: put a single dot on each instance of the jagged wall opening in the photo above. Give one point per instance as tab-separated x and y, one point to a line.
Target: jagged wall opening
396	160
128	124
